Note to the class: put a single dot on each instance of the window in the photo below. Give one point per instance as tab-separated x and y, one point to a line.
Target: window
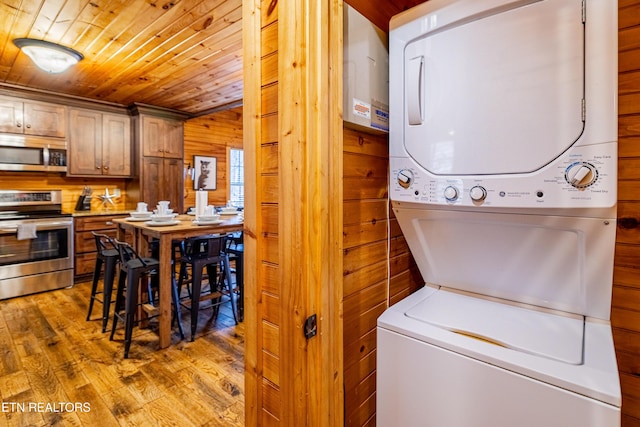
236	175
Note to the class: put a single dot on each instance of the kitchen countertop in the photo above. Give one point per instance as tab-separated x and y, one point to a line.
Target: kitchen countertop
101	212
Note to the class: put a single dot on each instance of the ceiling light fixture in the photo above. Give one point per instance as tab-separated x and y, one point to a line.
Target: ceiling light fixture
50	57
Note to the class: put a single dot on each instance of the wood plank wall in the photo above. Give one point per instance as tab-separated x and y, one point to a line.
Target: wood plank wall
378	267
212	136
262	299
625	311
365	283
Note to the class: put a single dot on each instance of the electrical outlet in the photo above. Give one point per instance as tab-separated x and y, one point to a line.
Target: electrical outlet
116	192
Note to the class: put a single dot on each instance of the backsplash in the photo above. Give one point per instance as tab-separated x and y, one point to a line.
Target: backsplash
71	188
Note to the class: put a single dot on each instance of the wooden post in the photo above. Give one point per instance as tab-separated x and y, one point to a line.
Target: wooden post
301	381
251	144
310	205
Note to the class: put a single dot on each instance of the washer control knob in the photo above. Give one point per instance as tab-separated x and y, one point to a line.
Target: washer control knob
451	193
581	174
405	178
477	193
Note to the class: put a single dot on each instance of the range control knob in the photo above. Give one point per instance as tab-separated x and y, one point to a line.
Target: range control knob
581	174
477	193
405	178
451	193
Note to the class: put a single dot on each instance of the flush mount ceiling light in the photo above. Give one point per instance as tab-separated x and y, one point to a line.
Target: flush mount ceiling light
50	57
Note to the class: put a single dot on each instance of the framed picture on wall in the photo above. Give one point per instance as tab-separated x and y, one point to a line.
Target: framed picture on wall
205	173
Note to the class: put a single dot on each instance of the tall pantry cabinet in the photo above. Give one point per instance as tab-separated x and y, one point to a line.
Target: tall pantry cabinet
159	142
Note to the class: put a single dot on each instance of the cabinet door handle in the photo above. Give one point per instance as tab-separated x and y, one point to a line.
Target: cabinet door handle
19	124
106	168
28	126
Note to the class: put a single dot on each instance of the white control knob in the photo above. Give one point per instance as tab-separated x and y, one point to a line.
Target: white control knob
405	178
581	174
451	193
477	193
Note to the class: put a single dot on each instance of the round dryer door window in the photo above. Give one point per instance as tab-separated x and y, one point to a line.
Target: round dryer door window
498	92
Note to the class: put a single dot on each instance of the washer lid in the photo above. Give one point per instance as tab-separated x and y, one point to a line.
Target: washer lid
498	92
530	331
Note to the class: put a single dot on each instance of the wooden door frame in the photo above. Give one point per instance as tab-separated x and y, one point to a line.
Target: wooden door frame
310	206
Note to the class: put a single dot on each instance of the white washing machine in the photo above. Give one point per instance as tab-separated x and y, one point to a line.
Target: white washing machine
503	159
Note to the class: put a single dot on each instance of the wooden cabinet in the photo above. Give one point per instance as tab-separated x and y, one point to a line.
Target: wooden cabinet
99	144
159	141
84	243
162	137
162	179
32	118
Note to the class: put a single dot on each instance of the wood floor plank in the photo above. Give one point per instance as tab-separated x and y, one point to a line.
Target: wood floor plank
9	362
43	380
71	377
13	384
194	411
98	413
26	344
207	389
19	416
142	387
49	353
121	402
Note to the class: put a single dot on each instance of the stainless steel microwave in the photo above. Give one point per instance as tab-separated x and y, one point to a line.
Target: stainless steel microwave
35	154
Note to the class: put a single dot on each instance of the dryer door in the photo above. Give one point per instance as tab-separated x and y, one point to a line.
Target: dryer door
499	92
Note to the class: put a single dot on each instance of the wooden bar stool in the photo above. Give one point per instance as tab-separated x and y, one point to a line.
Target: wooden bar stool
107	255
134	269
198	253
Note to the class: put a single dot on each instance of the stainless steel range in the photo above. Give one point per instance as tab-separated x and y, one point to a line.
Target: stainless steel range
36	243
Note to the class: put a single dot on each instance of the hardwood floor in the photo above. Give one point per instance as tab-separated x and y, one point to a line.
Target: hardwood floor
56	369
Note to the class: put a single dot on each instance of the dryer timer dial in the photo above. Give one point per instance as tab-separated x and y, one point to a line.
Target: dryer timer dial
581	174
405	178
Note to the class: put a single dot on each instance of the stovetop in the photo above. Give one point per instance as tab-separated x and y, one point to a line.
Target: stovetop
30	204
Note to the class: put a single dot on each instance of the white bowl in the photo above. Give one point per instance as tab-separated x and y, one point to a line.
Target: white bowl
208	218
162	218
166	212
137	214
229	210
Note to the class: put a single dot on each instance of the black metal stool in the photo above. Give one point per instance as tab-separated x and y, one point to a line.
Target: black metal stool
201	252
134	268
235	250
107	255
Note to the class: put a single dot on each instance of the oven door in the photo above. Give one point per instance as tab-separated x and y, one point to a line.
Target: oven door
35	255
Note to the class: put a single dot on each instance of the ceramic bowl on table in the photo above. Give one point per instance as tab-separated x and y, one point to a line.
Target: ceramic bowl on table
140	214
208	218
228	211
165	212
163	218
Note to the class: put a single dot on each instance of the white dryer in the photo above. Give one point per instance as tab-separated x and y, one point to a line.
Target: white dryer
503	159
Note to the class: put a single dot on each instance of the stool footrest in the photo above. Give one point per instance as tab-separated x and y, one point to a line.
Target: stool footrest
207	297
150	309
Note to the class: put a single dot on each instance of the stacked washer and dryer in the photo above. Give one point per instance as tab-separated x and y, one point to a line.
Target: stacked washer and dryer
503	159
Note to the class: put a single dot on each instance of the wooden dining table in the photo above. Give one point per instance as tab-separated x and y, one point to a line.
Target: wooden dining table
138	233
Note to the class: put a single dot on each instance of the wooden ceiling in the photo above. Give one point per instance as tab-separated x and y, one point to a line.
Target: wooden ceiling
184	55
180	54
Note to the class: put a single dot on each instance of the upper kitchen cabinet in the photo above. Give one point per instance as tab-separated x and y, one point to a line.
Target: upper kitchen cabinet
32	118
159	143
99	144
162	137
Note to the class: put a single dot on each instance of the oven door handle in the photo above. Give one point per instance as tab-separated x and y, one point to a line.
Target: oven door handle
46	226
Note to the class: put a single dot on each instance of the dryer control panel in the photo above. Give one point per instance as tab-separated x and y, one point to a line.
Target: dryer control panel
582	177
